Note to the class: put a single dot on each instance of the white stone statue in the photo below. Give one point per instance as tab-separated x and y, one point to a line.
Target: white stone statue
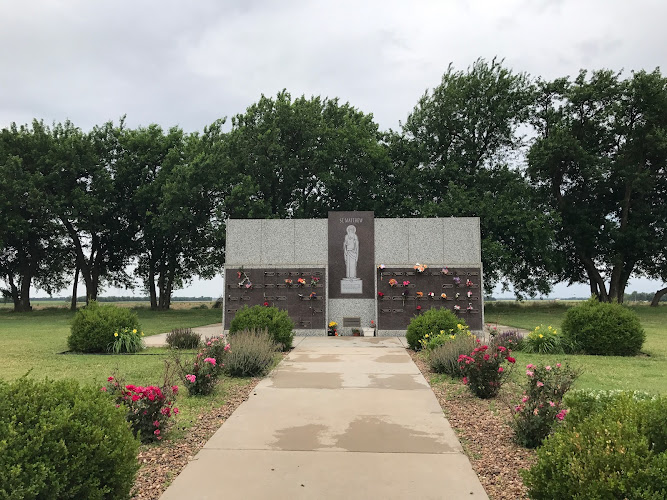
351	284
351	252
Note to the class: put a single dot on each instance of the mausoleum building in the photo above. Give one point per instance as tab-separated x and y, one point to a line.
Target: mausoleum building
355	269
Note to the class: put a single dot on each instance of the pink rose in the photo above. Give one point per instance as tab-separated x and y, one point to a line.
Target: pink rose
547	368
210	360
500	369
103	389
530	366
557	365
191	378
524	399
540	384
529	373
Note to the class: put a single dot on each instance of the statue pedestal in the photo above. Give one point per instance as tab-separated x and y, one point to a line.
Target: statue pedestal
351	285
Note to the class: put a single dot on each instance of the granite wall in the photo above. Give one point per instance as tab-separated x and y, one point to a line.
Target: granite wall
254	243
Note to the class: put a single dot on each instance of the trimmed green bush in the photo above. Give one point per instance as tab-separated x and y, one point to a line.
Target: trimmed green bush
274	320
445	358
431	322
60	440
617	453
602	328
94	326
251	354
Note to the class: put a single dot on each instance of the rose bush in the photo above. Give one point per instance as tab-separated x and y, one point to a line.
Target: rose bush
482	371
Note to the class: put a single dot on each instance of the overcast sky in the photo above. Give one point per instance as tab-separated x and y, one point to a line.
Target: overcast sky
190	63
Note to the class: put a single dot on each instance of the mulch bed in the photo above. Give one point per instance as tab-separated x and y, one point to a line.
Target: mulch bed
161	464
481	426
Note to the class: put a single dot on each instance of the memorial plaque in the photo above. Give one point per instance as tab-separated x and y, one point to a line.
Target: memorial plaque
351	238
295	298
456	280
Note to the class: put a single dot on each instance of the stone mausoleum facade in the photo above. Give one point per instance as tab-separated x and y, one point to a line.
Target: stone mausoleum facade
353	268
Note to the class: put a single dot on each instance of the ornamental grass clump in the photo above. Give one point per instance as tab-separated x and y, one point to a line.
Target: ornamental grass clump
543	340
148	408
541	406
183	338
252	353
445	358
483	372
127	340
511	339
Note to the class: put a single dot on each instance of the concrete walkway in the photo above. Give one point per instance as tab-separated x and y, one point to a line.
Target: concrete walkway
160	340
339	418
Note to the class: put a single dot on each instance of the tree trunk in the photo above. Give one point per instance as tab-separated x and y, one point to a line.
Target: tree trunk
72	306
658	295
14	293
151	285
25	293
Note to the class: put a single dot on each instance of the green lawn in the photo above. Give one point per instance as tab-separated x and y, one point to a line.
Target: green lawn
647	372
33	341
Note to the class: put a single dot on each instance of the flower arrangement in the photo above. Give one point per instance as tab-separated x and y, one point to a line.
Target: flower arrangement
312	295
443	296
420	268
420	294
457	280
314	280
380	295
301	281
393	282
381	267
266	304
541	406
288	282
469	294
431	294
333	330
469	308
457	307
245	280
406	283
444	270
419	308
469	283
148	408
457	295
483	372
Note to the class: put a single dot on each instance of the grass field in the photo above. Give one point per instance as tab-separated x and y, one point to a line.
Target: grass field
647	372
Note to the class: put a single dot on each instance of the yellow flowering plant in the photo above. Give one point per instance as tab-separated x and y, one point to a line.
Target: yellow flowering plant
433	340
543	340
127	340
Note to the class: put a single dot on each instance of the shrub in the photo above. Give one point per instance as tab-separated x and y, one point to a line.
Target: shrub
430	341
200	374
274	320
148	409
617	453
183	338
445	358
61	440
251	354
94	326
431	322
483	372
582	404
602	328
127	340
541	406
510	339
543	341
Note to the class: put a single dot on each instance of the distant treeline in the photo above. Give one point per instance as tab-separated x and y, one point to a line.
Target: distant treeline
114	298
642	297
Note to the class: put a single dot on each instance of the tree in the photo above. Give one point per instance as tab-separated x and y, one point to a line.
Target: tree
179	235
90	200
31	248
599	163
456	157
302	158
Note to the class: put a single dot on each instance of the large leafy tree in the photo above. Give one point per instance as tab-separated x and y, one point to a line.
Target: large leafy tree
31	247
174	204
301	158
458	155
600	164
89	197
